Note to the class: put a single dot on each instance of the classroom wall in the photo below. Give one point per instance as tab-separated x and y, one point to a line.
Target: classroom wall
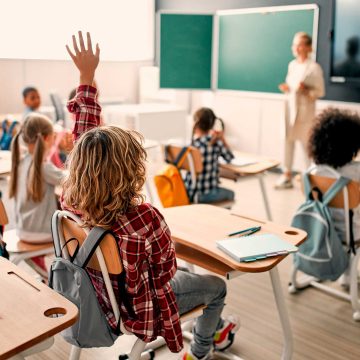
255	123
116	80
338	92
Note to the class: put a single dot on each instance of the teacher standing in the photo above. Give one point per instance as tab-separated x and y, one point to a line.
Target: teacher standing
304	84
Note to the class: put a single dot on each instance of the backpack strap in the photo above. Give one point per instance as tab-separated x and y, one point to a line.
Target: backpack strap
55	233
334	189
180	158
89	246
12	126
307	187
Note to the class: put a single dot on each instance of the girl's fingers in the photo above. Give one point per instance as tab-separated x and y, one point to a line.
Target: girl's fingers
89	44
75	45
81	41
97	53
70	52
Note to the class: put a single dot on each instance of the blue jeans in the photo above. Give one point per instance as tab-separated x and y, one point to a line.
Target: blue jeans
192	290
215	195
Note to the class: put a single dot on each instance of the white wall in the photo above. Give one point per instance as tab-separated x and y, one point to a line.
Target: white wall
114	79
255	123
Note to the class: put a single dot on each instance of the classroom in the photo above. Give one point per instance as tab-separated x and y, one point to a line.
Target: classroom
207	154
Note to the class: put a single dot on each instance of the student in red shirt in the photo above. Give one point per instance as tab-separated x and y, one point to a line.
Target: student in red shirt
106	176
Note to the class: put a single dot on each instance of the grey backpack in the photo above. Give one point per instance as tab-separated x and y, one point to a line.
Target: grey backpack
70	279
322	254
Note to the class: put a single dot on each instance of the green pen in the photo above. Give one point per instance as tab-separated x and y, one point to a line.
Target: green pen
246	232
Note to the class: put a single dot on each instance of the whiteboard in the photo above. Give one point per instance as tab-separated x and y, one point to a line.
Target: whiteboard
39	29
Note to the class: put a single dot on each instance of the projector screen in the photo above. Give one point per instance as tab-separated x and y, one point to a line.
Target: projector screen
39	29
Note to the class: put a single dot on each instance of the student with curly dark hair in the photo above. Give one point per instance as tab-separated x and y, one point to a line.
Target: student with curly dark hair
333	145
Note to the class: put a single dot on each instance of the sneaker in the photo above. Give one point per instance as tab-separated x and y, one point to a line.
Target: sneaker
188	355
283	183
224	337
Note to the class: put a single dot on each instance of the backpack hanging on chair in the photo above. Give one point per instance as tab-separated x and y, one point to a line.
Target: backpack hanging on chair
69	278
169	183
322	255
7	134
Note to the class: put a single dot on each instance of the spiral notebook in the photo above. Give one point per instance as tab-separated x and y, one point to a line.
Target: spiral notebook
255	247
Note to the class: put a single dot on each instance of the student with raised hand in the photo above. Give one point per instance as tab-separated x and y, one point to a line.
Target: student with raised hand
111	162
304	85
212	146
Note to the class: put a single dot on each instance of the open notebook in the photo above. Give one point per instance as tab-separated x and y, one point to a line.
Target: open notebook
255	247
239	161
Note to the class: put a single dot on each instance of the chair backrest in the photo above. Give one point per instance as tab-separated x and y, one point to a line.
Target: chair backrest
353	191
196	158
58	105
3	215
108	246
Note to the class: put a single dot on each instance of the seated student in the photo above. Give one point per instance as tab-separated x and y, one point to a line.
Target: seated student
334	142
212	145
33	180
111	161
31	99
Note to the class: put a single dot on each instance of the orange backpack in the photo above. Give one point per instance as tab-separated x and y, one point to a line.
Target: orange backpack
169	183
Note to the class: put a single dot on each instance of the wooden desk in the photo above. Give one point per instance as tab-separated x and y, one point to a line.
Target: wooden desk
256	169
195	229
5	162
26	307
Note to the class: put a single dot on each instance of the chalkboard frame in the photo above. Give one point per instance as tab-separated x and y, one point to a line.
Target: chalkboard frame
218	14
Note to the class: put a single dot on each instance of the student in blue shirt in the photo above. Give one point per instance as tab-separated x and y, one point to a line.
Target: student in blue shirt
32	100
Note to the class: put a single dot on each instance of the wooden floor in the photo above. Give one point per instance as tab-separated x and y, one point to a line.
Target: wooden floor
322	325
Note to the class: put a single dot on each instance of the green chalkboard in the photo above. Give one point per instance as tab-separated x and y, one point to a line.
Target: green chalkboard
185	51
255	48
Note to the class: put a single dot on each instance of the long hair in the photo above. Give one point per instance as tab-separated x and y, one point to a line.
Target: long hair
32	131
106	175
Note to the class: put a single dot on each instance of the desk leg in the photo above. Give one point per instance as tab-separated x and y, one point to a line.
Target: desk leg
284	318
264	195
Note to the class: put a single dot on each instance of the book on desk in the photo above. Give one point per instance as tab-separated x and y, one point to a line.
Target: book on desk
239	161
255	247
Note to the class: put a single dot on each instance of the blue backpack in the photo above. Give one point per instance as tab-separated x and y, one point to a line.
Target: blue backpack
322	255
7	134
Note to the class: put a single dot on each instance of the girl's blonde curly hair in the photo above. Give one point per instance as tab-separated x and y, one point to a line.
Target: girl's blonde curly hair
106	175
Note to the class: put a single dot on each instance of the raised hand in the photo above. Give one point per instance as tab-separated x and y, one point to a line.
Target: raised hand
84	58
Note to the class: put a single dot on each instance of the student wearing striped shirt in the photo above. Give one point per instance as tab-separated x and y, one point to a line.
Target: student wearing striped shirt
111	162
212	145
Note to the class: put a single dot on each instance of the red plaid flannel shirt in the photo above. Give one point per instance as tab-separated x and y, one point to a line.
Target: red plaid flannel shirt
147	253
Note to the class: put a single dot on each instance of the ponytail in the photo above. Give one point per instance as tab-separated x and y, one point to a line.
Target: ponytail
35	181
33	130
15	158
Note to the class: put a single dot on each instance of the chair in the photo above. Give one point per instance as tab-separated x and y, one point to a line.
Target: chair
193	164
107	260
20	250
58	105
348	199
